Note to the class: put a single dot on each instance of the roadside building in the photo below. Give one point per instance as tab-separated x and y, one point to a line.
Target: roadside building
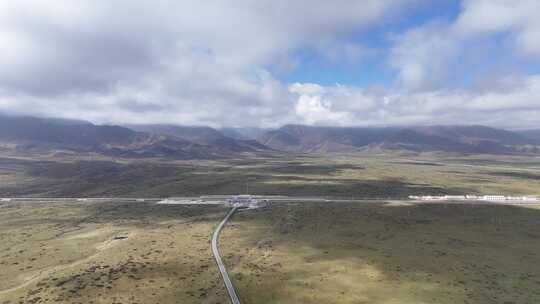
248	201
454	197
493	198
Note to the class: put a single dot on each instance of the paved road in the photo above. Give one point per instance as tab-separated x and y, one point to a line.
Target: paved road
215	250
222	199
78	199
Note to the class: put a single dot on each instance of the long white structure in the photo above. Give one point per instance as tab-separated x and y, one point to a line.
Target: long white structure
488	198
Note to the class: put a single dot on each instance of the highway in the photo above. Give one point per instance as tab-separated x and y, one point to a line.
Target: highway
215	251
78	199
222	199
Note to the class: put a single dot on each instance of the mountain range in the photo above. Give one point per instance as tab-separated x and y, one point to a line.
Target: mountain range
464	139
189	142
44	134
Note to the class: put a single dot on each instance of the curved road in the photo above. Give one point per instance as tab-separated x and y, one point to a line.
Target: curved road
221	266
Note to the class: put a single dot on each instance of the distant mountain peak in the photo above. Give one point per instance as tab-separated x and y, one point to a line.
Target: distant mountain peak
206	142
38	134
454	138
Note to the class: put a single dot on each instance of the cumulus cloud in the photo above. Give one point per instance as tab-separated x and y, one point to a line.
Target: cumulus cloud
220	63
422	56
315	105
519	18
202	62
518	107
440	53
336	105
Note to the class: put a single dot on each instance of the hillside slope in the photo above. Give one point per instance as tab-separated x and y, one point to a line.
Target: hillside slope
202	135
466	139
31	134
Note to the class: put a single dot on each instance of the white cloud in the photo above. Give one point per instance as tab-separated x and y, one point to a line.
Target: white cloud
440	53
422	56
191	62
314	110
519	18
316	104
339	105
213	62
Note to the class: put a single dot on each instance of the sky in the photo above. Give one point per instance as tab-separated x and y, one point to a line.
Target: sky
266	63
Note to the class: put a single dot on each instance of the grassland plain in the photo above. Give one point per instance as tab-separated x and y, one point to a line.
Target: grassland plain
76	252
391	253
384	175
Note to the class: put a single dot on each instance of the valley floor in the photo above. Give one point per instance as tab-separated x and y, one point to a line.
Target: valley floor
108	253
376	252
385	253
318	252
385	175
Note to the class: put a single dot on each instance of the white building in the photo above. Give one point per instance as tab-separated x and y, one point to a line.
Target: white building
247	201
432	198
455	197
493	198
522	198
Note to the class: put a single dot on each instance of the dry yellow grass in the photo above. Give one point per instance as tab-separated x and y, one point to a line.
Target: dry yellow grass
385	254
108	253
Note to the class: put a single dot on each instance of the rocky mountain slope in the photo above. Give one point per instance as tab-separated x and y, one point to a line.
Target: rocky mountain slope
465	139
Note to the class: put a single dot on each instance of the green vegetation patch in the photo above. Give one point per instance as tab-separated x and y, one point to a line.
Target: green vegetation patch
521	175
385	253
